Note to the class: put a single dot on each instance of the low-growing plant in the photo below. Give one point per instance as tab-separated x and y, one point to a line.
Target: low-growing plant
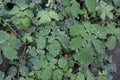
58	39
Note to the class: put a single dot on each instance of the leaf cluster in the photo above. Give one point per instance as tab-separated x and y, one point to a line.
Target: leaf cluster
58	39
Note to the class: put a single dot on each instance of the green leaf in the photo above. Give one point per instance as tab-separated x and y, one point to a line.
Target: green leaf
45	19
64	39
117	3
53	15
76	43
22	4
12	71
111	42
57	74
21	78
15	20
29	13
14	10
41	42
24	70
90	76
80	76
111	29
37	1
13	42
86	55
76	29
103	15
109	14
118	37
67	11
2	75
65	2
46	73
54	48
99	46
37	64
75	9
26	22
9	52
105	10
3	37
27	37
43	61
91	5
44	31
1	60
9	45
101	77
62	62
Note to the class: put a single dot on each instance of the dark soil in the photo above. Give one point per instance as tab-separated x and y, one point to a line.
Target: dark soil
116	59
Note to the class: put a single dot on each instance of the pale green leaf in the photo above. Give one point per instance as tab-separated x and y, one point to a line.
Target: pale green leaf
21	78
37	64
26	22
110	15
103	15
117	2
57	74
41	42
99	46
101	77
91	5
24	70
4	36
45	19
9	52
65	2
80	76
54	48
22	4
29	13
14	10
111	42
62	62
53	15
90	76
44	31
15	20
46	73
2	75
75	9
41	13
9	44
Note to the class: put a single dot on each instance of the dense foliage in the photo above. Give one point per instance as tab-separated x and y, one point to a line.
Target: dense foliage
58	39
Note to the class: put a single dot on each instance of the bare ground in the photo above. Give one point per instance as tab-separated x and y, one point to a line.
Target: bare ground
116	59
